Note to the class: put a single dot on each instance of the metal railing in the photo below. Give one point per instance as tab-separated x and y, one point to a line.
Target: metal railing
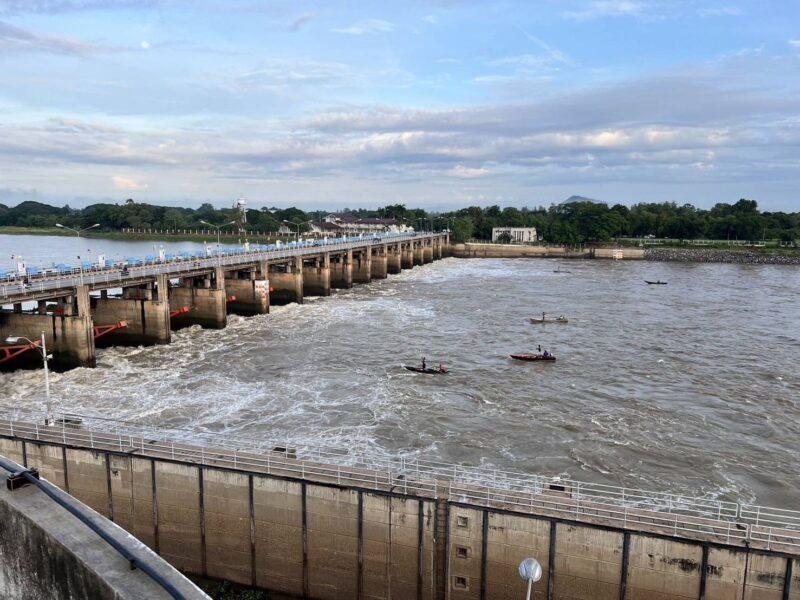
182	266
629	508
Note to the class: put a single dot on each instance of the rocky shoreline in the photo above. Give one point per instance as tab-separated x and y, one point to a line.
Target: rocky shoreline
716	255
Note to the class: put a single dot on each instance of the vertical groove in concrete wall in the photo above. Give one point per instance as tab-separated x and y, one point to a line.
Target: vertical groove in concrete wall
551	561
484	545
304	501
24	454
156	543
252	512
703	573
64	467
787	579
360	551
108	487
420	543
623	575
202	504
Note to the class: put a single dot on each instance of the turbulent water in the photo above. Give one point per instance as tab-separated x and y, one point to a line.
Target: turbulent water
693	386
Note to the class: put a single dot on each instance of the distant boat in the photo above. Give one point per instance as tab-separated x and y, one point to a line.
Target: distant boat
425	371
659	282
532	357
556	320
560	270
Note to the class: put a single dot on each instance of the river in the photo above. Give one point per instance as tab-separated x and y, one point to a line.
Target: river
691	387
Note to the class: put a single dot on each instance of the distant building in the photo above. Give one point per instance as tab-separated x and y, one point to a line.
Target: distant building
284	229
240	206
517	235
343	224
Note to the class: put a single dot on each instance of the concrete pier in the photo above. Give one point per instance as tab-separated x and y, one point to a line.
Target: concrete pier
249	289
380	262
286	281
394	259
362	266
317	276
144	308
407	255
342	270
417	254
206	298
69	333
427	252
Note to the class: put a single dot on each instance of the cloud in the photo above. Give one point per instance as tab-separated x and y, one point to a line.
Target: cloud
145	45
368	26
468	172
794	43
9	7
554	54
302	20
432	19
721	11
122	182
607	8
16	39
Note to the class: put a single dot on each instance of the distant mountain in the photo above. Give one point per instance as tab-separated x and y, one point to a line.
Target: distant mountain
576	199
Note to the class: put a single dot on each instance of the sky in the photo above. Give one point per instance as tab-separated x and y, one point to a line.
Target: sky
433	104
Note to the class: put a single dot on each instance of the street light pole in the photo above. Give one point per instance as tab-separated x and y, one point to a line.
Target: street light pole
218	227
78	232
48	420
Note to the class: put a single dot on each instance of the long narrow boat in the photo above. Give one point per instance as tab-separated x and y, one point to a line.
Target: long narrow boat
556	320
659	282
425	371
532	357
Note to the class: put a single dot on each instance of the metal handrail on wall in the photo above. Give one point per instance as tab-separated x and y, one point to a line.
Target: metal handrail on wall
628	507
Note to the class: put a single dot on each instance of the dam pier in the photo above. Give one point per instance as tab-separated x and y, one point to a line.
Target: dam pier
77	314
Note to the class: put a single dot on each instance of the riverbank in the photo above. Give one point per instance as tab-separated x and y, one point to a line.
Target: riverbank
488	250
142	237
714	255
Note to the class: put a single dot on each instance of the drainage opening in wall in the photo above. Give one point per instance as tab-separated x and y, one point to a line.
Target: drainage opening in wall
462	552
460	583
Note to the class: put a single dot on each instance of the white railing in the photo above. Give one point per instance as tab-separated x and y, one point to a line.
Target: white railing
181	266
673	514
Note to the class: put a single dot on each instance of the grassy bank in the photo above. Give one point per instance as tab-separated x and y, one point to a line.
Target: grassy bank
143	237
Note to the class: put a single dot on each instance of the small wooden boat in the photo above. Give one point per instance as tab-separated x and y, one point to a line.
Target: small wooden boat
532	357
659	282
556	320
425	371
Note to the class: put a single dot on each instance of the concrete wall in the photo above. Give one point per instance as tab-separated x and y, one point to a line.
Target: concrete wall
478	250
287	286
70	339
250	290
342	271
148	321
362	266
47	552
379	263
317	540
394	259
317	276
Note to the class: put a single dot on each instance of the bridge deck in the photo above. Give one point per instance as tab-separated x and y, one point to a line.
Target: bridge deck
52	286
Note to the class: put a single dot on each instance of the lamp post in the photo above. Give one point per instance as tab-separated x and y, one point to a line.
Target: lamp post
218	227
78	232
297	225
531	571
48	420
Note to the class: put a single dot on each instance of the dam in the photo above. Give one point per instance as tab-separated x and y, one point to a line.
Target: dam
331	523
75	310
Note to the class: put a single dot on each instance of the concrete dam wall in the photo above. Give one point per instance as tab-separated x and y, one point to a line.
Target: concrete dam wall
312	529
487	250
47	552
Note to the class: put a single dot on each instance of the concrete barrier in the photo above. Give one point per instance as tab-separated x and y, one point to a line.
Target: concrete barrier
303	528
47	552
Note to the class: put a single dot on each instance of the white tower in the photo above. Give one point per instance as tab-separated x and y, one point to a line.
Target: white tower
241	212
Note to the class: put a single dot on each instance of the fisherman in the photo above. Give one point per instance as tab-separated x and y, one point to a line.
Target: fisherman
546	354
544	316
441	368
423	363
539	348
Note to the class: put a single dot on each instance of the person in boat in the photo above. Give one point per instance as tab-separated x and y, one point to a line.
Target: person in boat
562	318
441	368
539	348
546	354
423	363
544	316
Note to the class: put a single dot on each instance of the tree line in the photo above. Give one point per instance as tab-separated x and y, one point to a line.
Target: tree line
576	221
